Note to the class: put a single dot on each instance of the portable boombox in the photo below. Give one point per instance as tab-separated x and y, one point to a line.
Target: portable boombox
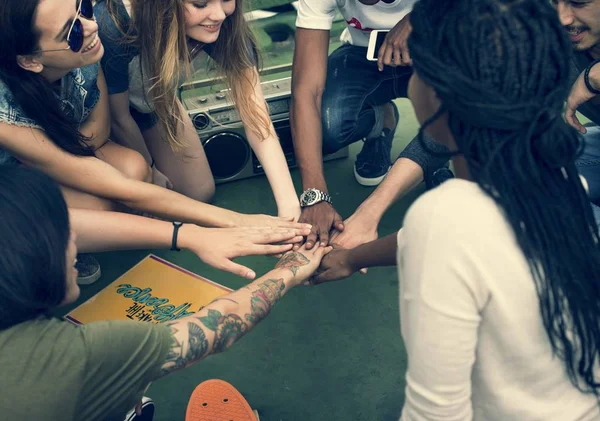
222	133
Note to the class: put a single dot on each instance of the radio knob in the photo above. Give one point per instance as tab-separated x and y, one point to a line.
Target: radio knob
203	100
200	121
220	97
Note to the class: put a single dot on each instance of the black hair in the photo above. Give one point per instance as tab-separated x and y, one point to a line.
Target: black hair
504	81
31	92
34	235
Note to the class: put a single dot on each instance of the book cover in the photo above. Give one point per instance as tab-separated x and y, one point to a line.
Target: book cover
154	291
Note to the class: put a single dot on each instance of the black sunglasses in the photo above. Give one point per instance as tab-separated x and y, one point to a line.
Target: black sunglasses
75	35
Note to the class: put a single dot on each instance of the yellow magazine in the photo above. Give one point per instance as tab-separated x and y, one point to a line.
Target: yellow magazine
154	291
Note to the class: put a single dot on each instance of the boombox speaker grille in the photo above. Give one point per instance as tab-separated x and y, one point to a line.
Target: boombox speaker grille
227	153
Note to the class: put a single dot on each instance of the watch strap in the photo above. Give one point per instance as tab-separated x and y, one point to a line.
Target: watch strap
321	197
176	226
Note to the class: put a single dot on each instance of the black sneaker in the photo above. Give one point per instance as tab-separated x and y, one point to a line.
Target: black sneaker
88	268
147	411
373	161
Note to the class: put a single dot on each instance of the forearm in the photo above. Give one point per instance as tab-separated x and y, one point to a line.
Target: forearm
403	177
127	133
220	324
270	155
103	231
381	252
174	206
305	119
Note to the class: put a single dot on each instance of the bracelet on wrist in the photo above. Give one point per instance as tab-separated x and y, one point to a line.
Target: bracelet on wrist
586	78
176	226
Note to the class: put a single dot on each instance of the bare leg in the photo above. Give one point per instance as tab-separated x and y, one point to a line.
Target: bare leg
188	169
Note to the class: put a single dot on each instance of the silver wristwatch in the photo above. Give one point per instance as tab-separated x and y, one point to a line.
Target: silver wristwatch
313	196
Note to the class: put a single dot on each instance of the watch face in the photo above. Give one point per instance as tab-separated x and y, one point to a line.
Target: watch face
310	196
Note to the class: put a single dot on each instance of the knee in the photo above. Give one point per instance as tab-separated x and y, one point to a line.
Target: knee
135	166
204	192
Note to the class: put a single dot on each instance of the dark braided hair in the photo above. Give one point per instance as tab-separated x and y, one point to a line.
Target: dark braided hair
504	81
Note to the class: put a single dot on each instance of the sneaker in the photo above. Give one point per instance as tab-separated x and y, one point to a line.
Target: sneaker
88	268
147	411
373	161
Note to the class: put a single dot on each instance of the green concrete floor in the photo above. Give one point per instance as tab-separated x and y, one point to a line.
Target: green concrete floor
331	352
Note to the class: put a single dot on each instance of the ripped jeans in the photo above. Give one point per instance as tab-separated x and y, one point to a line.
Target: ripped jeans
353	100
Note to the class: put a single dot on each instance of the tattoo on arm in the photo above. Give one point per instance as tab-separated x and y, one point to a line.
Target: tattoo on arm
263	299
182	352
193	345
229	328
292	261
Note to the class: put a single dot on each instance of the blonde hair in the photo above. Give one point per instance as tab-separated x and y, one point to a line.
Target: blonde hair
159	33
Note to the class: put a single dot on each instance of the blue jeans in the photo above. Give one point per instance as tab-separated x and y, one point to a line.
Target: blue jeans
352	104
588	165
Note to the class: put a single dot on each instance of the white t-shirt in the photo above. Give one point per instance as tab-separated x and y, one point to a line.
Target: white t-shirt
470	318
361	18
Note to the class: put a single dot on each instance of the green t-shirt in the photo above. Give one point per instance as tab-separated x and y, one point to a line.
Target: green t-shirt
53	370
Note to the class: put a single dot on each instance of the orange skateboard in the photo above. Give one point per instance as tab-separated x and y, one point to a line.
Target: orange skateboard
217	400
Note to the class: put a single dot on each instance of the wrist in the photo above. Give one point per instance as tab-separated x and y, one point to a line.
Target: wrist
352	259
368	217
285	274
186	235
288	206
594	76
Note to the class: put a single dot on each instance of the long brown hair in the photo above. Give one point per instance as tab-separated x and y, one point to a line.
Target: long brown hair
165	53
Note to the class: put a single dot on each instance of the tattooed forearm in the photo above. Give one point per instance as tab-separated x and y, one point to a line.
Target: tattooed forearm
227	318
184	352
223	299
228	329
263	299
292	261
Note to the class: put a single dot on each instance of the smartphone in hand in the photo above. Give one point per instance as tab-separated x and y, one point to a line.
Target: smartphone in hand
375	42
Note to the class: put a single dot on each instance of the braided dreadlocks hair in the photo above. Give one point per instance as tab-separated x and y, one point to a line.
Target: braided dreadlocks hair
504	81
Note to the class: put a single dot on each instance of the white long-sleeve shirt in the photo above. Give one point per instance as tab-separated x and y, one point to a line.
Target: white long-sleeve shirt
471	321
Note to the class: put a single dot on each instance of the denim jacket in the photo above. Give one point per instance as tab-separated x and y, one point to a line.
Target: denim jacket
78	96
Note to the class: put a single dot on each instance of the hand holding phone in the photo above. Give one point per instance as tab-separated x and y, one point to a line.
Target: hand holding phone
376	40
394	47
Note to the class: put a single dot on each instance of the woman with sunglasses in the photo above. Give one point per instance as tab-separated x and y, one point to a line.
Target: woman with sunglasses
55	371
54	117
148	50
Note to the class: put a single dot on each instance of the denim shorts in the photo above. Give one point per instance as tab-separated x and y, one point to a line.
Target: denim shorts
144	121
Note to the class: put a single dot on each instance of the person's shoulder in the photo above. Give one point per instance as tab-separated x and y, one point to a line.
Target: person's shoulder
122	330
6	95
457	205
51	336
10	112
111	27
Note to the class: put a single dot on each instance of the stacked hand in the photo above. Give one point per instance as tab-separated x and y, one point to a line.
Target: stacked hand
246	220
303	263
323	218
217	246
335	266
